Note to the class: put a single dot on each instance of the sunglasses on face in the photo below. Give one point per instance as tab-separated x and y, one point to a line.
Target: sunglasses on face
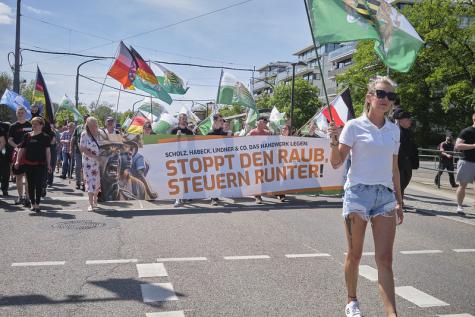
382	93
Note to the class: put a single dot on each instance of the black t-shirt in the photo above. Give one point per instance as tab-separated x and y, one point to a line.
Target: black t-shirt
4	127
220	131
18	130
183	131
468	135
36	147
446	147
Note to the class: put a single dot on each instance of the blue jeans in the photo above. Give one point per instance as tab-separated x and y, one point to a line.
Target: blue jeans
65	167
369	201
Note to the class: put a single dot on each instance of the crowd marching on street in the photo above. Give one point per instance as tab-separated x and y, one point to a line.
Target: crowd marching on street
377	172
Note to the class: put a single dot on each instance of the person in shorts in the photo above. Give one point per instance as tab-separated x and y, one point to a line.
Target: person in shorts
372	189
466	165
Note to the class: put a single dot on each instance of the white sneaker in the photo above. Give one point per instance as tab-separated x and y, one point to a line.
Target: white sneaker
177	203
460	210
353	309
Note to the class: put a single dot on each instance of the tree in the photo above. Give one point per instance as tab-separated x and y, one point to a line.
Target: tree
306	102
6	114
439	89
232	110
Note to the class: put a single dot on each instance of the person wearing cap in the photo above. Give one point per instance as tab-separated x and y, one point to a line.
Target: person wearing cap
446	161
16	135
408	158
110	126
261	129
147	129
465	143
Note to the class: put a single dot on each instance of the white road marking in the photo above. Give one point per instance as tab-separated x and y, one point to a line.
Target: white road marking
309	255
456	315
368	272
179	313
463	250
151	270
418	297
246	257
364	253
39	263
157	292
421	252
118	261
181	259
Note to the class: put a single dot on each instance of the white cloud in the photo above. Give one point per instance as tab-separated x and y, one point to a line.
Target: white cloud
37	11
5	14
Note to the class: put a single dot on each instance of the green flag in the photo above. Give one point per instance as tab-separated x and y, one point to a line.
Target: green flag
68	104
337	21
164	124
170	81
205	126
232	92
251	120
151	111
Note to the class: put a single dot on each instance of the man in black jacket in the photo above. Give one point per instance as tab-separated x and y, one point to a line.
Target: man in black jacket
408	156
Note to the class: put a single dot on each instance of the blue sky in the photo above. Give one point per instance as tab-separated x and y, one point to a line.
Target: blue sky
251	34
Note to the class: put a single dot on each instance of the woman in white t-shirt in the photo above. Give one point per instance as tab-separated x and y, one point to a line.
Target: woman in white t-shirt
372	189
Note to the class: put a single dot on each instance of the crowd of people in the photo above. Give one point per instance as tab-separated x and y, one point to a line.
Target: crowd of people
378	153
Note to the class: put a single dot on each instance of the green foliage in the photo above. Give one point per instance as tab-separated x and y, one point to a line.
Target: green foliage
232	110
62	117
264	101
306	102
124	116
439	89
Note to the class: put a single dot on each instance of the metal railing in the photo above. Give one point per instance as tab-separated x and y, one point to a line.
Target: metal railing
431	155
434	156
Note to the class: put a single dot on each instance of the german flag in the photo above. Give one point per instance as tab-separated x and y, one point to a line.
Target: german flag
143	69
124	68
41	97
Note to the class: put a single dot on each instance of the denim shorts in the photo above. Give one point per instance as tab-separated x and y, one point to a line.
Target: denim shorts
369	201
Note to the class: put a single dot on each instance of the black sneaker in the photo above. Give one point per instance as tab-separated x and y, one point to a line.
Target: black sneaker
5	193
27	203
18	201
37	210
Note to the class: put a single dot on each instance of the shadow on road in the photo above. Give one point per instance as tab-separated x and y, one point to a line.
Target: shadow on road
225	207
124	289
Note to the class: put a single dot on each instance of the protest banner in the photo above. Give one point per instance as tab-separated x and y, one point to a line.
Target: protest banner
214	166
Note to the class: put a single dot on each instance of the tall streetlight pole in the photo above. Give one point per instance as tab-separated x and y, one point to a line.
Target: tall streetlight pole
299	63
77	78
133	106
16	73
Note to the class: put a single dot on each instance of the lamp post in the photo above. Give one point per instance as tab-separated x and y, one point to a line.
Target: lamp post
133	106
299	63
77	78
16	71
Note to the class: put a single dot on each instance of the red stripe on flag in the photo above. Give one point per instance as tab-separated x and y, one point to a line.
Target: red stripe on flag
336	117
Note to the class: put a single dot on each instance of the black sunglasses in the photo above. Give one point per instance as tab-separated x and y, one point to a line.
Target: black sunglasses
381	94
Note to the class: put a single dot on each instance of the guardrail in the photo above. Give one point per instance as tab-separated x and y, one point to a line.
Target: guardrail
433	156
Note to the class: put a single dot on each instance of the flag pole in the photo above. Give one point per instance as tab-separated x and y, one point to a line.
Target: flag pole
219	87
318	61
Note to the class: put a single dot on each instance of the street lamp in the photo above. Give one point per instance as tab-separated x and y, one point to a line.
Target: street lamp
133	106
77	78
299	63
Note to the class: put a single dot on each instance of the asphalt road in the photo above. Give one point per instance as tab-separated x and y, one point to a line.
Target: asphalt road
236	259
